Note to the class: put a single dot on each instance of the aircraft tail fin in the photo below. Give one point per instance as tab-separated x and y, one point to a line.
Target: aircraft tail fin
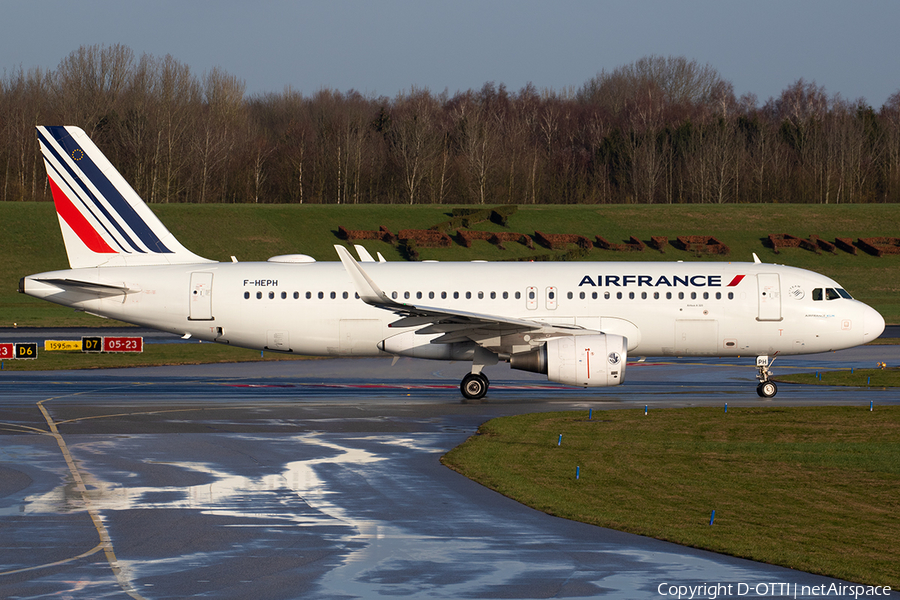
103	220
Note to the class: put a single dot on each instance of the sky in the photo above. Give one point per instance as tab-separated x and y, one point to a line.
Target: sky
386	47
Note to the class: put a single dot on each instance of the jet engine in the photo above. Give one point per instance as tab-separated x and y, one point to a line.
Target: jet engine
583	360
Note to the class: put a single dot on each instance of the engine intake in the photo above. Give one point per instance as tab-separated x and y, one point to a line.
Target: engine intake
584	360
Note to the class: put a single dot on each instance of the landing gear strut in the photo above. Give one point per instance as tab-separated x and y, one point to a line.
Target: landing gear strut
766	387
474	386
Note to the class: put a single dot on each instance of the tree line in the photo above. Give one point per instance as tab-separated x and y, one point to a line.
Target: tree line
659	130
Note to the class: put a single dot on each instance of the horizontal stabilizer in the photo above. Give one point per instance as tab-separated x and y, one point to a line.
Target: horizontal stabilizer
89	285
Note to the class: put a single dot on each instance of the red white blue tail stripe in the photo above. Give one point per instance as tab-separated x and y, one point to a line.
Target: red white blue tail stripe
104	221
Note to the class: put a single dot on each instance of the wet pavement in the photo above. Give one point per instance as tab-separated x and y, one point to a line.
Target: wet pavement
321	479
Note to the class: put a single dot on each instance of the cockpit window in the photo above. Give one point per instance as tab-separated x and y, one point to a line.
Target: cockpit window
830	294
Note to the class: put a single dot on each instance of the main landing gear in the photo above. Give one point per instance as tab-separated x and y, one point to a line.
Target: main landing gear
766	387
474	386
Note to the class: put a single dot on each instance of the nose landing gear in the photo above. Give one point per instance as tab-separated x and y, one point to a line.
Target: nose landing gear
766	387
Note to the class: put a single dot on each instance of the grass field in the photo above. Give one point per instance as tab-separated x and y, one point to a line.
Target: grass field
887	377
809	488
32	241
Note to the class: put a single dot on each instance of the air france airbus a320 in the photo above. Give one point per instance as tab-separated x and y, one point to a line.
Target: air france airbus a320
576	322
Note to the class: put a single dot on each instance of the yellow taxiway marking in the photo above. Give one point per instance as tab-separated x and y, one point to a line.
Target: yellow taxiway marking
93	550
18	428
105	541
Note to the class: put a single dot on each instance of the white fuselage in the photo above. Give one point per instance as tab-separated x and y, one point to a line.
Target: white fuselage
662	309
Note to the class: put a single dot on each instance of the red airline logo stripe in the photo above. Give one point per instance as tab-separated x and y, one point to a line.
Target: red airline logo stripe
77	222
737	279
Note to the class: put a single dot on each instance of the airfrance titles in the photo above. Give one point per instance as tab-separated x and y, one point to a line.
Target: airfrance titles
658	281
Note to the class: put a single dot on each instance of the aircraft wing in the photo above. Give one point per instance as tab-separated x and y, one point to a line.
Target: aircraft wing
455	325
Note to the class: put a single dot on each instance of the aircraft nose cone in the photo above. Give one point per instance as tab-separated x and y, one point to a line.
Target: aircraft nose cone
873	324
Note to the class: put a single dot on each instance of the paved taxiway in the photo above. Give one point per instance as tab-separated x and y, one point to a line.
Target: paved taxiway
321	479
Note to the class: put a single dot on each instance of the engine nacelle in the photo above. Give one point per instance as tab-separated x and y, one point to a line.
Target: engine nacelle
583	360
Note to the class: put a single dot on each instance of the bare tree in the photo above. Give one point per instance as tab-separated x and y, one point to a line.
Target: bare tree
477	131
224	95
23	104
679	80
90	82
178	97
890	118
414	140
645	119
